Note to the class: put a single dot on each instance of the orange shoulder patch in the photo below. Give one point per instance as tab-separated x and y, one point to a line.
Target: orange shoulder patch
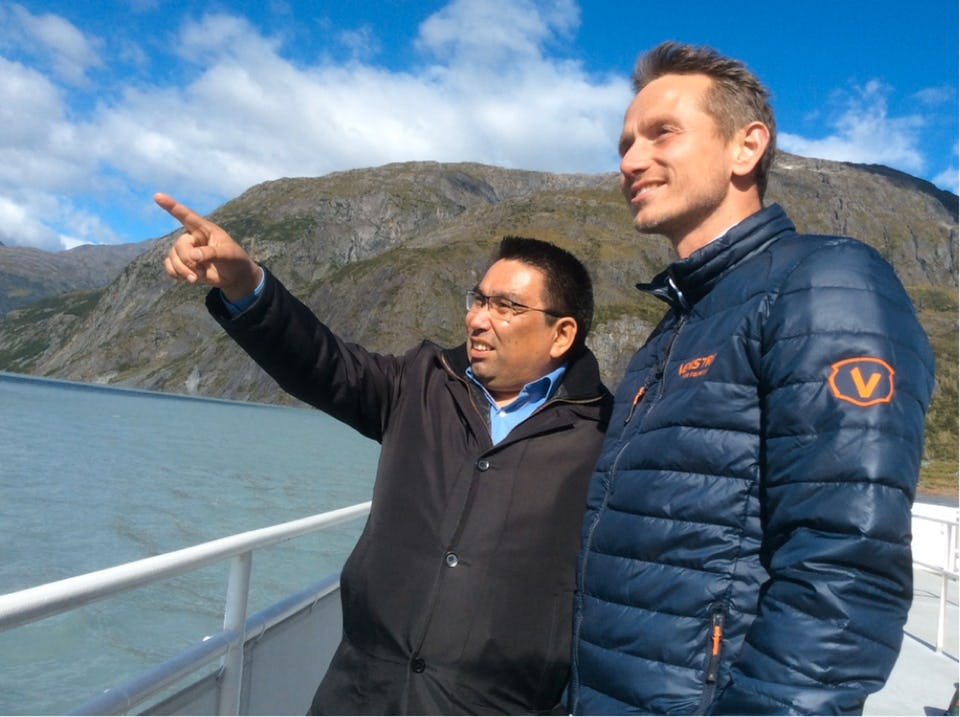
862	381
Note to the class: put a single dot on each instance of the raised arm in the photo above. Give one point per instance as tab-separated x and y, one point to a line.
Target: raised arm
208	254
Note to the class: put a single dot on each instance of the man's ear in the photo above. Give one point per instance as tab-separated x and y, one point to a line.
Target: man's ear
750	144
564	334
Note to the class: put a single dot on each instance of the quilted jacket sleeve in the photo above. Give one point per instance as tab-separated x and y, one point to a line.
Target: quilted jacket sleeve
846	379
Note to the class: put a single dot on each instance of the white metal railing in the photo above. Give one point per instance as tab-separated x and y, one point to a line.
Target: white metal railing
940	558
43	601
36	603
122	698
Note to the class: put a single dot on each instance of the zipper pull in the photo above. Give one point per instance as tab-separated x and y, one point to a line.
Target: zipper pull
716	639
633	406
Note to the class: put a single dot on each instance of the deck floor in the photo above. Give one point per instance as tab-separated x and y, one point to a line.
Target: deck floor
922	681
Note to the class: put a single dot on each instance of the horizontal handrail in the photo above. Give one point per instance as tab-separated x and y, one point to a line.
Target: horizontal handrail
937	570
32	604
53	598
35	603
948	555
935	519
126	697
122	698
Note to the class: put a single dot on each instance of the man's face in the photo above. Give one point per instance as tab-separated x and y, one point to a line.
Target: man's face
507	353
675	166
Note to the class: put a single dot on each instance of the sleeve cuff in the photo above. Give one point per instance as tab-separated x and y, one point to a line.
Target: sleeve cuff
235	308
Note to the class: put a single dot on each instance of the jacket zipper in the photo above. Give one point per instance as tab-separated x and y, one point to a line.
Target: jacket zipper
660	373
714	648
633	406
716	642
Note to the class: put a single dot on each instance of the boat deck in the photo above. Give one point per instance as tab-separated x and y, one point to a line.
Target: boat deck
922	679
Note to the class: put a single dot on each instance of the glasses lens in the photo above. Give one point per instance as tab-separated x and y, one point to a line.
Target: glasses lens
497	305
501	307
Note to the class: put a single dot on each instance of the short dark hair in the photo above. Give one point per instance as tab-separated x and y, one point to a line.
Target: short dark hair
566	280
736	98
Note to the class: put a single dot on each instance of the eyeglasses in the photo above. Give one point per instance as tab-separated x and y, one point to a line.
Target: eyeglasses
501	306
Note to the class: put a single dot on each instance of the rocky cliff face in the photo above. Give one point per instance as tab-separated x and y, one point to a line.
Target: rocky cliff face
911	222
384	254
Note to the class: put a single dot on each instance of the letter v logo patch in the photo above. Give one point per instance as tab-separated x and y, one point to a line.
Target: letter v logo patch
862	381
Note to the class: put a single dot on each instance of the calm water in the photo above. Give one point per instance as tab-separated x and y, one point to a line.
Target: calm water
92	477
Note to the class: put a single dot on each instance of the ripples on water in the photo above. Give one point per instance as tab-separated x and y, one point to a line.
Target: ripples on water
91	477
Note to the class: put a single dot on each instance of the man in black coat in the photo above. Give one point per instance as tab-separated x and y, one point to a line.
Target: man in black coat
457	598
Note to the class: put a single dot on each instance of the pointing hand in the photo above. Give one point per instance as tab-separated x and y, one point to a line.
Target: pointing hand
206	253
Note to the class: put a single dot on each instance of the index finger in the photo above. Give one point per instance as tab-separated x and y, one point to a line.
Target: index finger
182	213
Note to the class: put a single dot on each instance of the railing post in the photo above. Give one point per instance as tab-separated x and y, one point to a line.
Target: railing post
234	618
949	565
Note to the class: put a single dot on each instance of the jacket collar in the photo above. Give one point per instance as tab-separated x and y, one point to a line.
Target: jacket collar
685	281
581	381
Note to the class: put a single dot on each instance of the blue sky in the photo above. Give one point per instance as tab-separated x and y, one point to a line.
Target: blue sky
103	103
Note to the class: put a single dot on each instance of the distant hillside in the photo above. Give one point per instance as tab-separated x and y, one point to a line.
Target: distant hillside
28	275
384	254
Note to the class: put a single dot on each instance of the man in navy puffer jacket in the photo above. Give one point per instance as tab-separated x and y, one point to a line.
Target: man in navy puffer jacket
746	545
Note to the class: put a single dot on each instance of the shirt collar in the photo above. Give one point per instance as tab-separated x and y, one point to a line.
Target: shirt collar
536	391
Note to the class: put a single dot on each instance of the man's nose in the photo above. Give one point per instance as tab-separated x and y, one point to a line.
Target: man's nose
636	158
478	318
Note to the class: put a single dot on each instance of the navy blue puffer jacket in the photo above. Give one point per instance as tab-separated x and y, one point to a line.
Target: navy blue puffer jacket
746	546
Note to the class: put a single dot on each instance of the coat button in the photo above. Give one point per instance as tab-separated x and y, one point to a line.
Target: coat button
451	560
418	665
483	464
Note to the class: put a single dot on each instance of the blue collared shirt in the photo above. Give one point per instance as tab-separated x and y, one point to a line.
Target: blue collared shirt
504	419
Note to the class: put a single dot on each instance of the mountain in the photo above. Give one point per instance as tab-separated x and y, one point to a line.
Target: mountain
28	275
384	255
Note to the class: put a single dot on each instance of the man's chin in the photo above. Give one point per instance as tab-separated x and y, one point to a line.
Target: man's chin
647	224
479	359
478	367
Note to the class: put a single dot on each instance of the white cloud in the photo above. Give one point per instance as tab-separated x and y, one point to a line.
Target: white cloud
361	42
866	133
32	218
246	114
58	42
235	111
20	227
251	115
28	102
218	38
86	228
511	30
948	179
43	161
40	149
936	96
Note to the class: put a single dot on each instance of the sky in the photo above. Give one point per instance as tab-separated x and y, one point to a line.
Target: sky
104	103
